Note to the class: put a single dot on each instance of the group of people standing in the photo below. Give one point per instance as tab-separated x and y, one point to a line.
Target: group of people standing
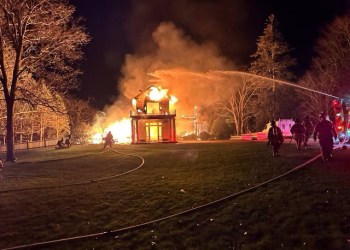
64	143
324	131
302	132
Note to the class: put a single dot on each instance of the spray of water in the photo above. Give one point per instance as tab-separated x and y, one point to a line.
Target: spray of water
184	67
213	83
281	82
346	138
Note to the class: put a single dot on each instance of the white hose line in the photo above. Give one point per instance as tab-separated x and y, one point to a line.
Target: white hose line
127	172
114	232
84	182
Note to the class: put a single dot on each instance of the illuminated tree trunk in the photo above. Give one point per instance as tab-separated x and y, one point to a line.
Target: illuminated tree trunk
31	130
41	127
10	154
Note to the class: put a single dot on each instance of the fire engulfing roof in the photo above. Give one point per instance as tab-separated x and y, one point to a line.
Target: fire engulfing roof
152	94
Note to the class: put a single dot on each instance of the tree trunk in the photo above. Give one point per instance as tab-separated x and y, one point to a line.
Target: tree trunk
41	126
10	154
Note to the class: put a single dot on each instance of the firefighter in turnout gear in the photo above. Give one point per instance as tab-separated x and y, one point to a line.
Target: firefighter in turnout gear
309	129
275	138
325	131
298	132
108	140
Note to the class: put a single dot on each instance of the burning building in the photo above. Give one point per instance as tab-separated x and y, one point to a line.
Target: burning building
153	118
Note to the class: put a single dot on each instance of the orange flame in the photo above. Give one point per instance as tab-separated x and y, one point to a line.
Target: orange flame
157	94
121	131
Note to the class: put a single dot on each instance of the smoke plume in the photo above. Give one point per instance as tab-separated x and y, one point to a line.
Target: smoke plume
177	63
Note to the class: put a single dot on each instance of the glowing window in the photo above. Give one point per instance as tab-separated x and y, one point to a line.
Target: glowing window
152	108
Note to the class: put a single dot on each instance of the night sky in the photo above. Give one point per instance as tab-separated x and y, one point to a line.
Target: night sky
121	27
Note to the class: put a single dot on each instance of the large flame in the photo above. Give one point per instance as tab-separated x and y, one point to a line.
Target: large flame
173	100
157	94
121	131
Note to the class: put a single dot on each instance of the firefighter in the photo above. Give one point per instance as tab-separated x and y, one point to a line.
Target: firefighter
309	129
325	131
67	141
275	138
60	144
108	140
298	132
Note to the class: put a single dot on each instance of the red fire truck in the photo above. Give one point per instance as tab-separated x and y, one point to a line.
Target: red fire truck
341	119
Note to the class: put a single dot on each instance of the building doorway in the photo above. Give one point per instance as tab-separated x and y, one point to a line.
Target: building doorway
153	131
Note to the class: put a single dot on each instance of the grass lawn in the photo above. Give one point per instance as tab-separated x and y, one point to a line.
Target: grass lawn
51	194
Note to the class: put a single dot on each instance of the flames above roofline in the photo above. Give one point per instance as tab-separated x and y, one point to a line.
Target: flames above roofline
164	103
153	93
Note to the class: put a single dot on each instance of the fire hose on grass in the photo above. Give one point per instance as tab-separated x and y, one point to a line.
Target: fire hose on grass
83	182
113	233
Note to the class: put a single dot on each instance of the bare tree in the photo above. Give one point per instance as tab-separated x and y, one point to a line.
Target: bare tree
330	68
333	54
238	107
312	102
81	116
30	113
39	39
